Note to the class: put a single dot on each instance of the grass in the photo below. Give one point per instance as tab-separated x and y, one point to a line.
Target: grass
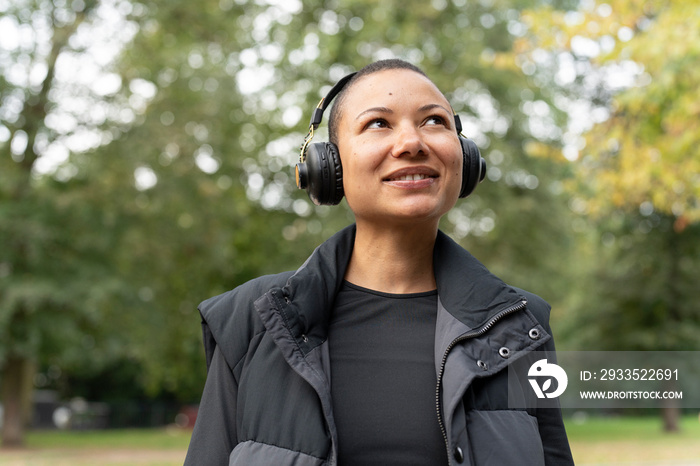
633	440
123	447
594	441
161	439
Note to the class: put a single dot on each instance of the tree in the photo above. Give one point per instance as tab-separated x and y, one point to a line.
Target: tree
642	55
636	173
45	276
107	248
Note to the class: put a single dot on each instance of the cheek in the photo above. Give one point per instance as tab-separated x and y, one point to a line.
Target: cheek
455	167
358	163
456	164
352	176
452	155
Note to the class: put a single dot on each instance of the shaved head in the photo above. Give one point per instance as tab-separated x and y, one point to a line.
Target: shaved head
381	65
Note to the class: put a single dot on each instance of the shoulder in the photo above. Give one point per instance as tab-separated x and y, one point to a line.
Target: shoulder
230	321
246	293
538	306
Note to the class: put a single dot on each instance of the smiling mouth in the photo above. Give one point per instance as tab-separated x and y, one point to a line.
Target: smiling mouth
413	177
410	175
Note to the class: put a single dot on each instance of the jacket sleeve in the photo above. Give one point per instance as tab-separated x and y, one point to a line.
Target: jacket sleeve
555	443
214	434
551	426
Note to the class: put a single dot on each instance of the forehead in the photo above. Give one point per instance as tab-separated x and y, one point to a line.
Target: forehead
389	86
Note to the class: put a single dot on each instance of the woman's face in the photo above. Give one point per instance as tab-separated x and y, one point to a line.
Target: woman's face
401	156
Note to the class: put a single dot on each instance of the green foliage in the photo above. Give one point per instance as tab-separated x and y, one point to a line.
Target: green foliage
647	150
640	295
635	177
186	191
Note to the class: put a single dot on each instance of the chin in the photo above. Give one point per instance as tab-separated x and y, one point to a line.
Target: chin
411	214
402	209
424	208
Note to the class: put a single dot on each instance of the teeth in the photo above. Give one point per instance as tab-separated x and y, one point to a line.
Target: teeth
411	177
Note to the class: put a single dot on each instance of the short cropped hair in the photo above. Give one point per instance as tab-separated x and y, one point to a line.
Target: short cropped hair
375	67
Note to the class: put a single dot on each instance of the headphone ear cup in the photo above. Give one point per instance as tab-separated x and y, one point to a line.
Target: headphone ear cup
323	174
473	167
336	191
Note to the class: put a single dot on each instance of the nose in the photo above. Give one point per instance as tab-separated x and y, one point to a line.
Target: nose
409	141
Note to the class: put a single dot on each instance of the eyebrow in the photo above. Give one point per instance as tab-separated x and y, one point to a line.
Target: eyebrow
424	108
429	107
375	109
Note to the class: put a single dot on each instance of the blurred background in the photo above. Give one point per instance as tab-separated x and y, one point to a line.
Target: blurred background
146	154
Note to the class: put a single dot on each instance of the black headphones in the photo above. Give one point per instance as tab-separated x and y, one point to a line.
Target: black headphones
320	172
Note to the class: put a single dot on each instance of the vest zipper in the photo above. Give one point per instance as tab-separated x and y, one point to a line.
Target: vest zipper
466	336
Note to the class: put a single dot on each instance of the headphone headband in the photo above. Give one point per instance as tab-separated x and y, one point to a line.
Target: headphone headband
325	102
318	112
458	123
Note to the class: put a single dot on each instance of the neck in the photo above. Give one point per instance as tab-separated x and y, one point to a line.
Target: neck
393	260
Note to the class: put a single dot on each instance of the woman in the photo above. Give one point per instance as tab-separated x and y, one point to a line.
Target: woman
388	346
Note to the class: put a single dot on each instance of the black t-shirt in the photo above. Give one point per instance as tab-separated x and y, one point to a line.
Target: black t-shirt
383	378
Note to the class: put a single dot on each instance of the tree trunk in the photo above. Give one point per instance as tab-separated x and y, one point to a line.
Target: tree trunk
670	409
16	389
671	414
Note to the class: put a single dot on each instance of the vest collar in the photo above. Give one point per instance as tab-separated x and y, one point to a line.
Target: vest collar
467	290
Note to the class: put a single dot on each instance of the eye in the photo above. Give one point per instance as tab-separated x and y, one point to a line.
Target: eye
377	123
434	120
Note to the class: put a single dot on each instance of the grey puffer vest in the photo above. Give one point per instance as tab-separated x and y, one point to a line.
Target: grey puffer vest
269	336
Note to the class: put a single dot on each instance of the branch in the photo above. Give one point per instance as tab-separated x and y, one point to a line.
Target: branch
36	108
